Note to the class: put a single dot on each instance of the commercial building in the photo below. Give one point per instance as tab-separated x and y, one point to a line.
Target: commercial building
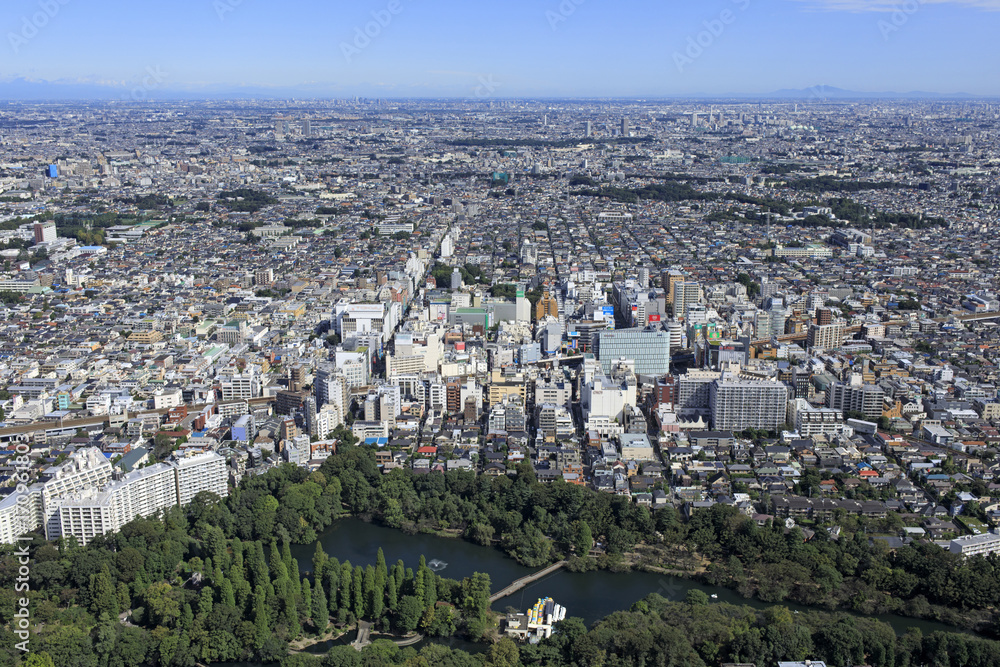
381	319
649	349
603	401
547	306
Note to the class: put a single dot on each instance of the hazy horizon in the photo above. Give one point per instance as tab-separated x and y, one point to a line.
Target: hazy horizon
548	49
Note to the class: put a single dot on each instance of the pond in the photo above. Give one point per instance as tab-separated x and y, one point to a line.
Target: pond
588	595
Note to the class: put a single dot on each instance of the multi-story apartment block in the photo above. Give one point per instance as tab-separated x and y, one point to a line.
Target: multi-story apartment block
693	390
976	545
827	336
739	404
198	472
140	493
241	386
85	469
866	399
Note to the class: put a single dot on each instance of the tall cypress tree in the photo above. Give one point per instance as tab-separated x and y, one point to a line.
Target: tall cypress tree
226	593
331	576
260	574
430	588
392	599
307	600
400	575
103	594
296	578
262	629
357	588
286	555
275	564
370	593
379	586
346	581
319	562
320	612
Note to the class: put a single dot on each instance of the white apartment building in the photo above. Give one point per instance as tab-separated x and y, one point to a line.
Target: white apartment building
168	398
241	386
86	468
331	386
328	418
976	545
826	336
142	492
19	518
810	420
196	472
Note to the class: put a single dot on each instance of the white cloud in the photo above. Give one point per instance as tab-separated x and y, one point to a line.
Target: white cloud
893	5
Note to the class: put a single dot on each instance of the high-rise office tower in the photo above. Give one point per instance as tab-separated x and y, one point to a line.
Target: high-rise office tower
624	127
650	350
590	129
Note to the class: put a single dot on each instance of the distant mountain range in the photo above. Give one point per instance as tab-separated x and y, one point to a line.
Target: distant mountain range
23	90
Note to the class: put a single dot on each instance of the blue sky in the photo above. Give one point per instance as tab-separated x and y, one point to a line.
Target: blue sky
512	48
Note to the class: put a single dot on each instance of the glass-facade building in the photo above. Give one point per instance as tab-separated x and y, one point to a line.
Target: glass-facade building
648	348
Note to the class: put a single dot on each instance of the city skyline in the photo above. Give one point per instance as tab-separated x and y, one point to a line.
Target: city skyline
576	48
